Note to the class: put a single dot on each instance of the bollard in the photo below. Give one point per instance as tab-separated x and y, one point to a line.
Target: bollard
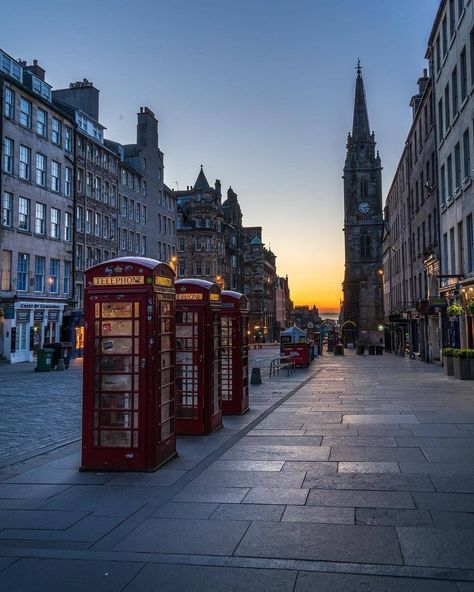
256	377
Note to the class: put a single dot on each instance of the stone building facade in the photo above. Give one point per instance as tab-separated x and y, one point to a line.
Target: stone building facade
209	234
36	231
451	57
363	226
411	239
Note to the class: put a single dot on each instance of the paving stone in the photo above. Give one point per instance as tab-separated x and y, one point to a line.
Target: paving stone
39	575
397	418
267	513
437	547
359	441
39	519
185	510
466	416
266	495
246	465
376	454
453	519
333	582
263	452
322	514
259	432
317	468
315	429
278	479
160	478
63	476
369	481
212	494
281	440
203	537
324	542
368	467
455	483
29	491
455	502
436	468
384	430
353	499
6	561
392	517
170	578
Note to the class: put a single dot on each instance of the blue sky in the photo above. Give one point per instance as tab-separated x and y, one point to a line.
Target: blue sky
260	92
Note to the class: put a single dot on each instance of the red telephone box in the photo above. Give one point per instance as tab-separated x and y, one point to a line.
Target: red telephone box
128	394
235	372
198	357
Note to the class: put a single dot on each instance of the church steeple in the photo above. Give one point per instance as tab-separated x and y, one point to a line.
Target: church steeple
201	182
360	125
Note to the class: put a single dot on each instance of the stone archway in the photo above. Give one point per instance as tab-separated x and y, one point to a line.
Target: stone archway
349	332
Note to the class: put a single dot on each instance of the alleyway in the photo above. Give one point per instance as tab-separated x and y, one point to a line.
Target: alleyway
356	474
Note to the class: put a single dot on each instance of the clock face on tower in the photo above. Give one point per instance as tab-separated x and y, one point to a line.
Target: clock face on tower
363	207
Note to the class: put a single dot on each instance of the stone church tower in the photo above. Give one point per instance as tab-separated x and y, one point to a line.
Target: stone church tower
362	310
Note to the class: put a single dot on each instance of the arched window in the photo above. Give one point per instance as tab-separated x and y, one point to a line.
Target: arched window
364	191
365	246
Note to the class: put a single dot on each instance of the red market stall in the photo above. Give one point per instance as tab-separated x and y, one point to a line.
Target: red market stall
294	344
128	394
235	373
198	357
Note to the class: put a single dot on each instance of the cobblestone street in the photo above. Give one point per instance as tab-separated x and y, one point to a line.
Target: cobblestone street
356	474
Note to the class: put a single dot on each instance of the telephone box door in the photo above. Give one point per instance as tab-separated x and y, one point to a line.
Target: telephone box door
115	378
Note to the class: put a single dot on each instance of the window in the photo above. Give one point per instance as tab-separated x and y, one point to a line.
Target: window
113	227
467	154
463	74
40	169
25	163
68	138
452	252
137	243
80	180
143	220
470	243
445	254
113	196
98	189
56	131
454	91
452	18
181	245
9	103
460	7
137	213
6	271
54	276
89	221
438	54
41	123
79	256
446	106
7	209
96	156
67	277
89	184
233	260
198	268
143	247
444	30
131	209
97	224
23	271
8	148
68	227
40	267
131	241
197	244
443	184
471	39
450	176
79	218
105	227
457	166
123	239
67	181
105	196
440	118
365	246
40	219
25	112
23	213
55	223
124	206
55	176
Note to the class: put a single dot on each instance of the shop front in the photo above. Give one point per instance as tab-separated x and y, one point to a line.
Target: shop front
27	326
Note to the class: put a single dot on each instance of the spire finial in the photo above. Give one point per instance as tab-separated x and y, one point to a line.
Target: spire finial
201	167
359	67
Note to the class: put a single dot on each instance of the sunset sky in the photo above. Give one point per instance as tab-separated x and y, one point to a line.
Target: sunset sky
258	91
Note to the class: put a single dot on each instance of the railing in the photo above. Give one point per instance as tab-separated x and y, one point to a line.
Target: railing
282	363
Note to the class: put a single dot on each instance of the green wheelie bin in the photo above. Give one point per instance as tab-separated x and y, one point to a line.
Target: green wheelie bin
44	360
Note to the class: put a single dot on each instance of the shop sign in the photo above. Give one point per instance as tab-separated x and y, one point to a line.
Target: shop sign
124	280
53	315
38	315
22	316
214	297
439	302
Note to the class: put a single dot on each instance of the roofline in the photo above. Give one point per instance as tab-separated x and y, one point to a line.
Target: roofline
435	26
